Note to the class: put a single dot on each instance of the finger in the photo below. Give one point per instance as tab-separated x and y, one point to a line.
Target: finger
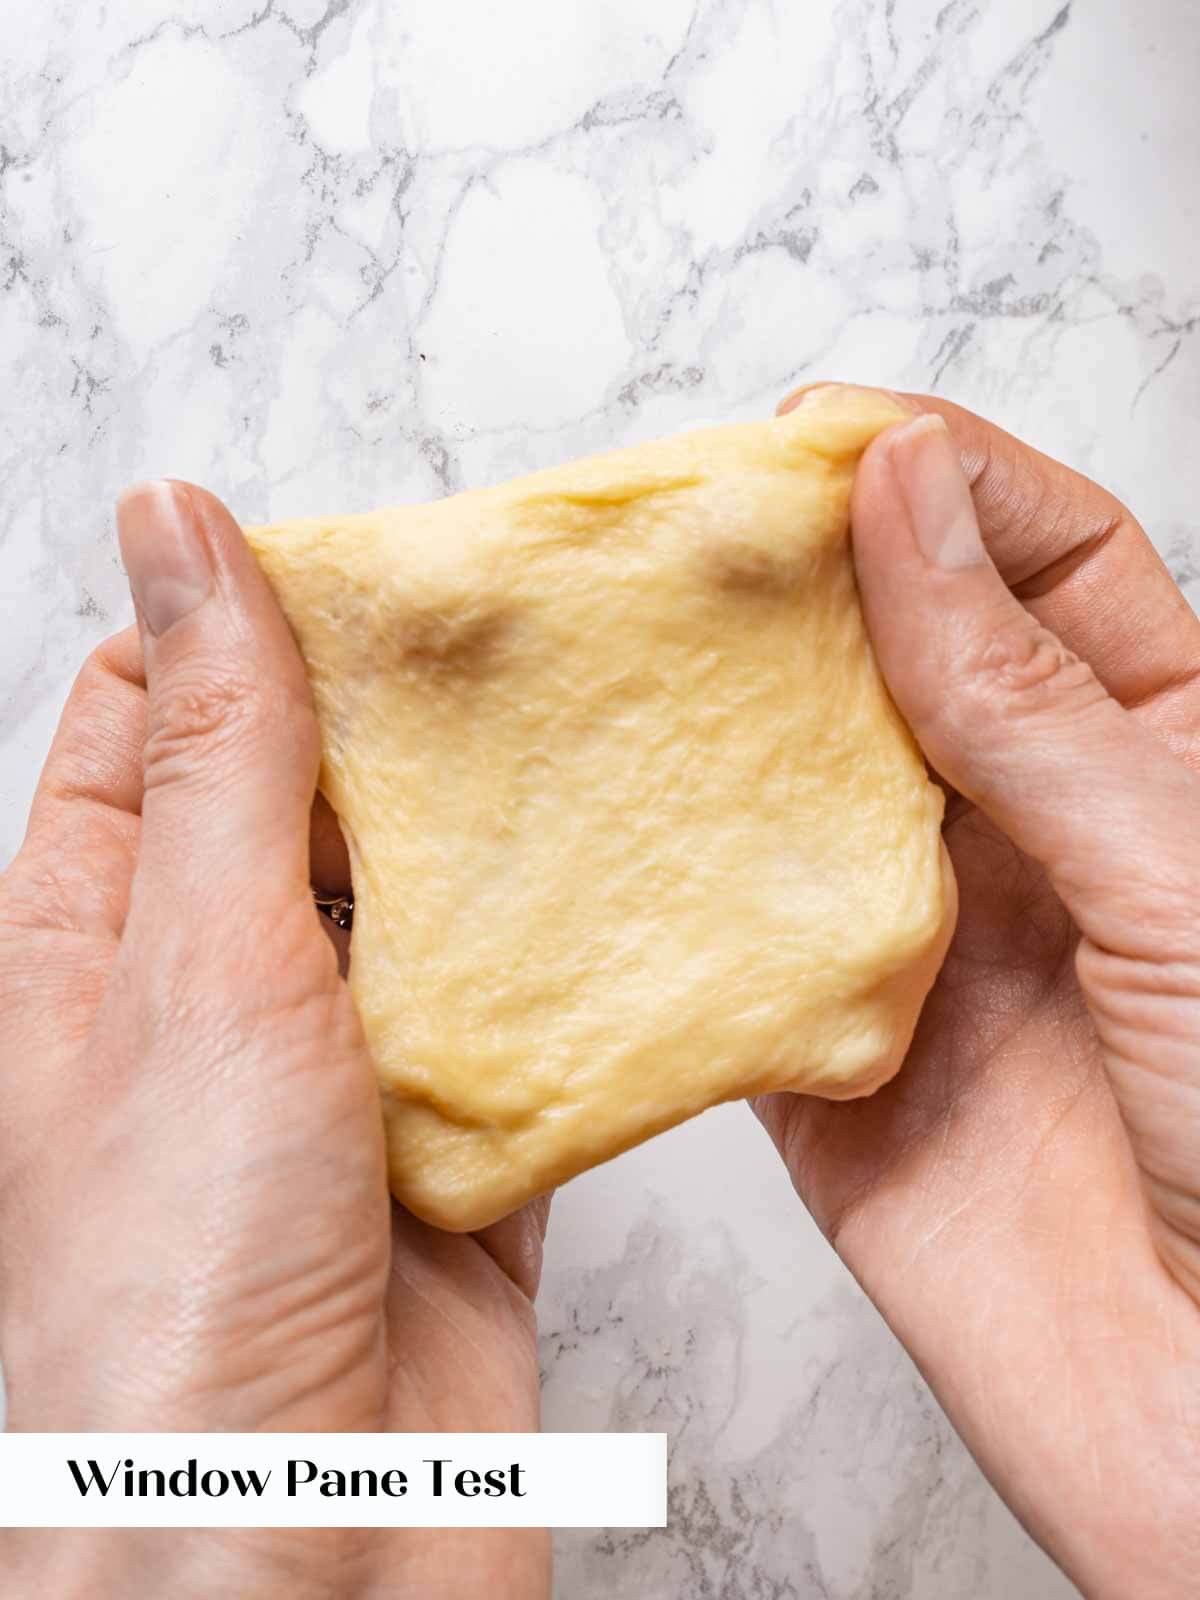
1083	566
447	1296
76	863
231	744
516	1243
1015	721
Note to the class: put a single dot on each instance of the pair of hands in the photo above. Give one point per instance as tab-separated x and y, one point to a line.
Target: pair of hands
191	1109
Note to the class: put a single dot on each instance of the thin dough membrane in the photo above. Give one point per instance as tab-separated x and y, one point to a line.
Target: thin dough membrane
635	827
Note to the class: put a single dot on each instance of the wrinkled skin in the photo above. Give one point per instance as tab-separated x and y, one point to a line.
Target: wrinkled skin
195	1230
1023	1202
188	1099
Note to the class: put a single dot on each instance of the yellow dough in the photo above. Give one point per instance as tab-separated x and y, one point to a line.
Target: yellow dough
634	825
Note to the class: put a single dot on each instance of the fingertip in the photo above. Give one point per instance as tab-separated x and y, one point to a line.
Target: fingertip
795	397
250	612
877	510
165	555
923	426
798	396
935	490
914	537
169	497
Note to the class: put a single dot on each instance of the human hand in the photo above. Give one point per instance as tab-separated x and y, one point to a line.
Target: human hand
1023	1202
195	1228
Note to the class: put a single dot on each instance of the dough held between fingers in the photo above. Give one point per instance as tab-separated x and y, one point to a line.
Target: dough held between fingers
635	827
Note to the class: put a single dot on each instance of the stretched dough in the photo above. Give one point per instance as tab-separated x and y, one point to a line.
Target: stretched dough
634	825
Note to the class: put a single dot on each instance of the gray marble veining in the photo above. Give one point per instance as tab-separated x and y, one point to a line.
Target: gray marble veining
323	254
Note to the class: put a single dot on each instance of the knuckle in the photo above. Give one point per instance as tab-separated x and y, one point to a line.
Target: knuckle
1026	661
33	894
208	709
93	677
1021	669
119	657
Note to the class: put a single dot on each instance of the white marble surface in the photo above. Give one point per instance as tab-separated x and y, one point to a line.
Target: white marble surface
322	254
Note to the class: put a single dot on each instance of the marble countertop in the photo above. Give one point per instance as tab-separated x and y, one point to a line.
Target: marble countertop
323	254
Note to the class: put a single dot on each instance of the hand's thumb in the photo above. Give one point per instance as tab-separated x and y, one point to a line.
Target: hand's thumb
1008	716
232	747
